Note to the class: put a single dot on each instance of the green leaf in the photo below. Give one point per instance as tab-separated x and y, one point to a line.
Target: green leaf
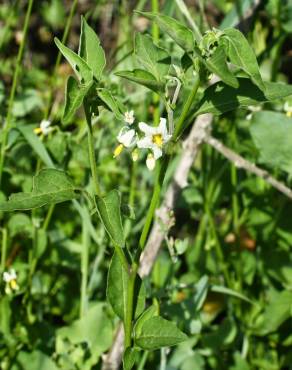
158	332
117	285
276	312
242	55
111	103
146	315
109	210
36	144
50	186
26	102
181	34
272	135
220	98
34	361
80	67
218	65
90	49
129	358
231	292
74	97
95	329
142	78
153	58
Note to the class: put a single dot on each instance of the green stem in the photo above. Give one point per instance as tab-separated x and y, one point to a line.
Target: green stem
58	59
132	194
234	183
218	247
7	123
91	150
130	305
155	35
84	267
179	126
49	216
161	170
143	361
4	249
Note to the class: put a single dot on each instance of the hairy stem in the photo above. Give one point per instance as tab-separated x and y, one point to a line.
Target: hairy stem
130	305
7	123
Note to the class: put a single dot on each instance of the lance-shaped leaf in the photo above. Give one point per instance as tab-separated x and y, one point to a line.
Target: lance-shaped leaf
158	332
50	186
181	34
220	98
242	55
272	135
130	357
154	59
151	311
218	65
109	210
90	49
142	78
36	144
111	103
74	96
80	67
117	289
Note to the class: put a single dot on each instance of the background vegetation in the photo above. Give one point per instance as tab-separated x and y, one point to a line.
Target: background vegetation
224	272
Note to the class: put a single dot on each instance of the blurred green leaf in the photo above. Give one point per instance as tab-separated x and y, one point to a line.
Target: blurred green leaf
129	358
36	144
35	360
50	186
117	285
26	102
272	135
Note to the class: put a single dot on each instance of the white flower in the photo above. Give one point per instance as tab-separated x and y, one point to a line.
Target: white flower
10	278
126	138
44	128
129	117
150	162
154	139
288	109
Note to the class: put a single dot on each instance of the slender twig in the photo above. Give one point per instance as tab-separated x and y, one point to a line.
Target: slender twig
240	162
7	123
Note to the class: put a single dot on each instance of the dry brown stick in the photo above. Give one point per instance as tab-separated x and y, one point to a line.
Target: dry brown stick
191	146
240	162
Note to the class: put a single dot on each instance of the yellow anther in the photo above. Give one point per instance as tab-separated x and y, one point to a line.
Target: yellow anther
118	150
38	130
157	139
13	284
289	114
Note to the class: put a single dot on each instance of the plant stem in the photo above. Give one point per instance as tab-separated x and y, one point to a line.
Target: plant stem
179	126
7	123
234	183
130	305
84	267
161	170
4	248
91	150
143	361
155	35
131	200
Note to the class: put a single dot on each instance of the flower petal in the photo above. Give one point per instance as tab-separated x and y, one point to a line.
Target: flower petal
150	162
157	152
145	143
126	138
148	130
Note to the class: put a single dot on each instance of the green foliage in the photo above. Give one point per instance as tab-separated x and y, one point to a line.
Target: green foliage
109	210
117	293
272	135
50	186
157	332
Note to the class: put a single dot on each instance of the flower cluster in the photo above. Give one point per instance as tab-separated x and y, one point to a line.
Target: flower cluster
288	109
153	139
10	279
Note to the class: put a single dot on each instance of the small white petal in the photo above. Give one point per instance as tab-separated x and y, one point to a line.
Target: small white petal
129	117
6	277
148	130
126	138
150	162
162	126
145	143
157	152
45	124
